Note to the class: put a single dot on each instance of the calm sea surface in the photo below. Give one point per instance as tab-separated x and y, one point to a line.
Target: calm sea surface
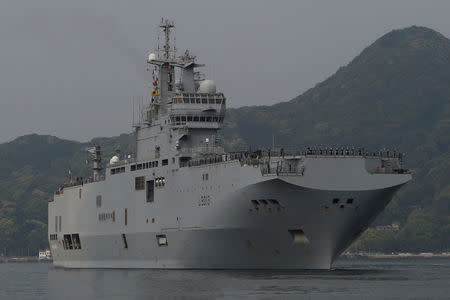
427	278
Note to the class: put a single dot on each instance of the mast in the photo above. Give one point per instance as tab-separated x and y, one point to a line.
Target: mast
96	161
167	25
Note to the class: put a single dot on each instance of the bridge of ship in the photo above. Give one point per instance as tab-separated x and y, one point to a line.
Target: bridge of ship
197	110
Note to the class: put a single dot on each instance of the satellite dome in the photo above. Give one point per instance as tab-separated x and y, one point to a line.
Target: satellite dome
151	56
207	86
114	160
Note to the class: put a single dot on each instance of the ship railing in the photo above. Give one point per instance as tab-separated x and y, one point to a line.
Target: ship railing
79	181
205	150
199	98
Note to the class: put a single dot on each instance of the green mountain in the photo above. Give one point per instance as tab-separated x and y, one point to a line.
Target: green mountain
395	95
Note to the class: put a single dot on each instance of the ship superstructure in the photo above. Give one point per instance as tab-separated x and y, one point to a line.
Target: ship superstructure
183	202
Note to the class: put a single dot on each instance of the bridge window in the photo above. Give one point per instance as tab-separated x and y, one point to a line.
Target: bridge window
197	100
196	119
189	119
202	119
204	101
218	101
211	101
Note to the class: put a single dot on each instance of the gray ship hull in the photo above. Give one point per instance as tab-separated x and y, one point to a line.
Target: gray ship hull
276	222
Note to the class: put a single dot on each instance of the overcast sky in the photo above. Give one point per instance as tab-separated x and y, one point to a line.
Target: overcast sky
70	68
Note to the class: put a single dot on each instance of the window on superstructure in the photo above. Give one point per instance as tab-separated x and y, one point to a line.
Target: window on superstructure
56	223
192	101
165	162
162	240
183	119
99	200
150	191
139	166
124	239
133	168
139	183
126	217
76	241
68	242
79	193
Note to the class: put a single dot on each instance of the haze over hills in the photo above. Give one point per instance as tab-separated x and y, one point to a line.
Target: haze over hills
395	95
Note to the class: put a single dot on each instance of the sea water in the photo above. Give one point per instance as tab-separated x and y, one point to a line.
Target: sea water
397	278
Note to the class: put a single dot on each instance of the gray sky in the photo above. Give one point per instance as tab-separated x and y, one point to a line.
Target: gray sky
71	67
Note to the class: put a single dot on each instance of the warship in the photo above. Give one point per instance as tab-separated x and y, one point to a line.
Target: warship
182	201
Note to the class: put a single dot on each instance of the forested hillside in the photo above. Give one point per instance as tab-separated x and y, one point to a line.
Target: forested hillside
395	95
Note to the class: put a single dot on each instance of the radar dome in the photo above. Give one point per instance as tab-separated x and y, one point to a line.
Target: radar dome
207	86
114	160
151	56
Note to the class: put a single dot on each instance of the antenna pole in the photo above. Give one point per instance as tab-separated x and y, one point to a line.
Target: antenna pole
273	141
166	25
